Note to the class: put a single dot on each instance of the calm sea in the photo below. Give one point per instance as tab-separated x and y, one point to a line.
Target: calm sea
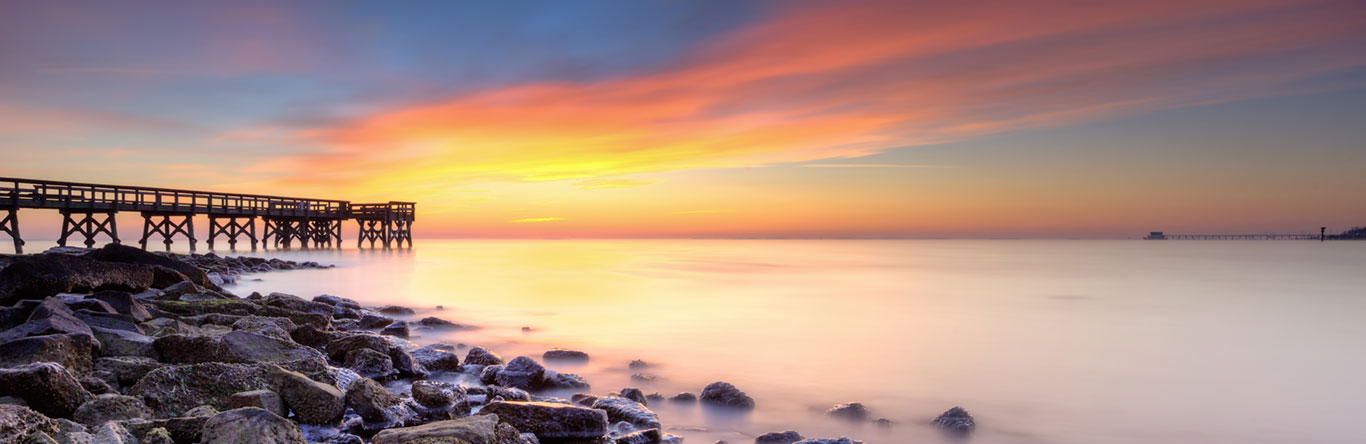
1043	341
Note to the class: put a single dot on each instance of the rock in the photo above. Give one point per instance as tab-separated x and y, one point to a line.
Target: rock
334	300
158	435
883	422
130	255
17	422
723	394
112	321
94	305
261	399
633	394
478	429
403	361
51	316
583	399
47	387
436	358
683	398
623	409
647	436
72	351
278	328
481	356
641	377
555	380
250	425
95	386
43	275
851	412
311	401
638	365
170	391
436	323
126	370
124	343
370	320
508	393
396	310
955	420
437	394
398	328
549	421
166	326
489	374
233	347
109	407
344	438
828	441
292	302
370	363
112	433
565	356
123	302
521	372
203	410
371	401
787	437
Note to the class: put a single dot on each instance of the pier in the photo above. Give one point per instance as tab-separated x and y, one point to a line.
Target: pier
1158	235
88	212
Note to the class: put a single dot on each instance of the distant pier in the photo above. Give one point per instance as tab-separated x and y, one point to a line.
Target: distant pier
88	212
1158	235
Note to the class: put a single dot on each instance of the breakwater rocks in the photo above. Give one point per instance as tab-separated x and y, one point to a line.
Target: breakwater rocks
121	346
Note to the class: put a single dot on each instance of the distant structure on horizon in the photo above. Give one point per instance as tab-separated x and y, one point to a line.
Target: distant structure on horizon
1358	233
88	210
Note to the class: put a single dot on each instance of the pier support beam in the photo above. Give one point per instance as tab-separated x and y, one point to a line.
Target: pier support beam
232	229
10	225
165	225
401	230
324	232
373	230
286	231
89	225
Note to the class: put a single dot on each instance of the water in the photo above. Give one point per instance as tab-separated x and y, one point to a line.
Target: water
1043	341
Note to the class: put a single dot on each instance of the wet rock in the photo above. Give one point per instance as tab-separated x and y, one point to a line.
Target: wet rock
19	421
123	302
345	438
112	433
638	365
565	356
633	394
647	436
158	435
334	300
370	321
398	328
72	351
472	429
403	362
47	387
641	377
555	380
90	305
396	310
508	393
852	411
261	399
233	347
167	326
126	370
170	391
550	421
683	398
370	363
437	394
624	409
278	328
113	321
371	401
203	410
311	401
436	323
124	343
723	394
95	386
51	316
43	275
787	437
481	356
109	407
583	399
250	425
437	358
883	422
292	302
489	374
828	441
521	372
124	254
955	420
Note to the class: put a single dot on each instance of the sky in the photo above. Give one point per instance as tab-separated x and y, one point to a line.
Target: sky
712	118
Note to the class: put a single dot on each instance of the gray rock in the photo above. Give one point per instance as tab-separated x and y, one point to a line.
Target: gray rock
955	420
647	436
396	310
311	401
787	437
49	318
203	410
250	425
72	351
261	399
171	391
521	372
126	370
233	347
434	357
481	356
633	394
402	360
565	356
436	394
278	328
725	395
370	363
123	302
550	421
158	435
841	440
19	421
398	328
112	321
436	323
852	411
109	407
43	275
372	401
476	429
623	409
124	343
683	398
47	387
112	433
370	320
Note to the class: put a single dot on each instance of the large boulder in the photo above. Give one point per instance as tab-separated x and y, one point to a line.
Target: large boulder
852	411
123	302
17	422
72	351
112	321
261	399
51	316
372	401
521	372
370	363
250	425
565	356
43	275
233	347
402	361
311	401
787	437
124	343
292	302
437	357
278	328
173	390
481	356
124	254
125	370
725	395
955	420
478	429
46	386
397	329
621	409
550	421
109	407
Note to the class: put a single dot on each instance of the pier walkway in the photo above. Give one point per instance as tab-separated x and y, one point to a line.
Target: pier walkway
88	211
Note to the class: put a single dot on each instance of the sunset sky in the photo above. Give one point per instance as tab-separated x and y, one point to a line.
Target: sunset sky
712	118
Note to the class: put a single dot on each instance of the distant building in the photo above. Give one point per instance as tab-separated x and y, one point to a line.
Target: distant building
1155	235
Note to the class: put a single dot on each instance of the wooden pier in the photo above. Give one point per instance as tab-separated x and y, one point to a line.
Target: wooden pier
88	211
1158	235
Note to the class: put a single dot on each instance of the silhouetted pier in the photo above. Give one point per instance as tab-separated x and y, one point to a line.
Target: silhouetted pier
88	211
1158	235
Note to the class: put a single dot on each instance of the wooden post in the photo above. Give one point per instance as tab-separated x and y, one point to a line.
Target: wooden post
162	224
88	226
10	225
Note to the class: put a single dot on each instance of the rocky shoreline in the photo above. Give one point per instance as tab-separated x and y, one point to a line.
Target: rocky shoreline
120	346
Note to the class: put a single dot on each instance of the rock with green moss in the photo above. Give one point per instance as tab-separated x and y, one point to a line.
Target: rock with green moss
233	347
158	435
311	401
468	430
109	407
250	425
171	391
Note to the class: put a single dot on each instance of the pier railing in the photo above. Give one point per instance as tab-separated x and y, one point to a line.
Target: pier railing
71	196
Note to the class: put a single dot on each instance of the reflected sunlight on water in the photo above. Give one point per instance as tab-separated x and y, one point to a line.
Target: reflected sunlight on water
1043	341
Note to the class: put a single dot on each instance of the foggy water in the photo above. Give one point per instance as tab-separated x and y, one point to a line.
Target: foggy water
1043	341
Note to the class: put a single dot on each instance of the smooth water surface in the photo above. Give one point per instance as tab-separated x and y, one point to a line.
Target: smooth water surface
1043	341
